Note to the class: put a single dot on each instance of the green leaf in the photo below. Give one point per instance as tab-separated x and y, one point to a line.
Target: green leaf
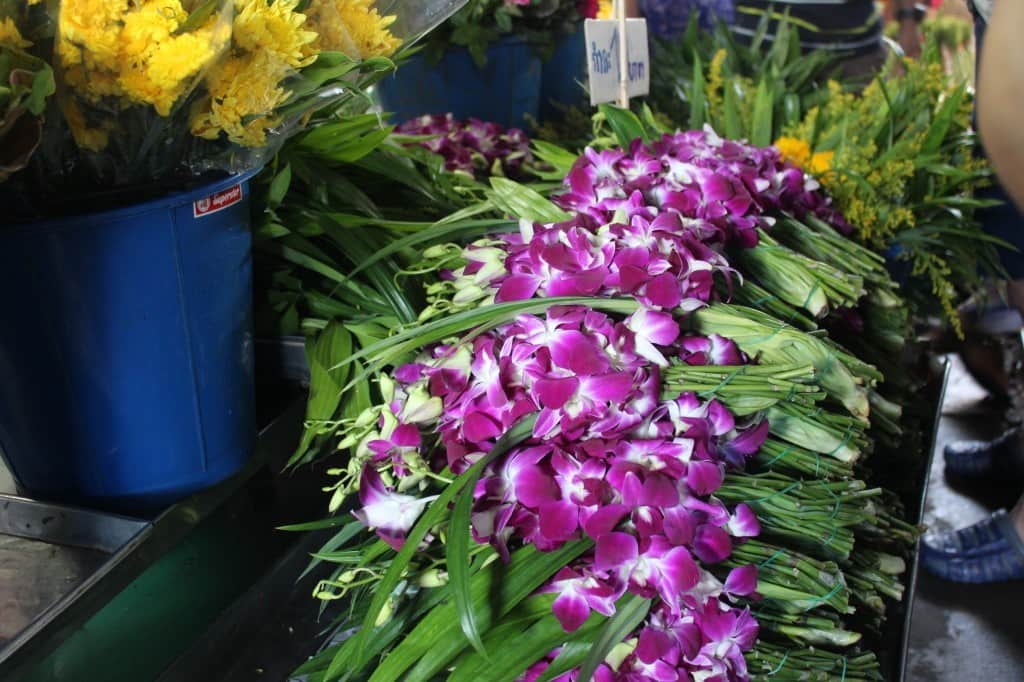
348	532
327	380
523	202
198	16
430	518
279	186
624	123
561	159
457	558
630	611
516	649
572	656
730	105
497	589
698	103
761	126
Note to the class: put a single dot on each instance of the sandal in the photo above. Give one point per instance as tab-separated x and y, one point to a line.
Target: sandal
990	551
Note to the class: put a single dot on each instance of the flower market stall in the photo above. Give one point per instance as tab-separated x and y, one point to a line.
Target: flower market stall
544	393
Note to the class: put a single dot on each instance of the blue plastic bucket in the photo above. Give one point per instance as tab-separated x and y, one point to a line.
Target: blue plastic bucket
506	90
563	77
126	350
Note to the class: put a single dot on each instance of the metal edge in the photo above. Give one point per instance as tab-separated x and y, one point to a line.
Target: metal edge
44	634
915	564
74	527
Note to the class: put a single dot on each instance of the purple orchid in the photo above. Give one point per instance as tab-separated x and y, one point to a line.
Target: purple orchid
578	595
389	513
475	147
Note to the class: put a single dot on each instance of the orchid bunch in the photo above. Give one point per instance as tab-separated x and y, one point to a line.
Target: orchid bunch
579	445
607	460
475	147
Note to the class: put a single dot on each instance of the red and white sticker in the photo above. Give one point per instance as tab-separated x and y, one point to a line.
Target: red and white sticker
217	202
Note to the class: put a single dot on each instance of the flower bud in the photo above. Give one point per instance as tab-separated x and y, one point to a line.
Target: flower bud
433	578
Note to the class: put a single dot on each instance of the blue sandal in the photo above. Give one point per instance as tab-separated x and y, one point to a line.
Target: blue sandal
990	551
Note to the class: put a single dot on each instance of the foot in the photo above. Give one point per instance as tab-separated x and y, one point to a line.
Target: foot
988	552
997	458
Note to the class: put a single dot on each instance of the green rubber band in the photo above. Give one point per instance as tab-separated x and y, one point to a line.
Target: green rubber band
784	491
831	538
838	502
822	600
780	666
725	382
763	299
843	678
771	559
781	455
847	437
815	289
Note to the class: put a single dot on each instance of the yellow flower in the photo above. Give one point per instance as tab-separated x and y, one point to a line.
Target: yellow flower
242	87
10	36
134	51
276	27
353	27
821	162
605	8
795	150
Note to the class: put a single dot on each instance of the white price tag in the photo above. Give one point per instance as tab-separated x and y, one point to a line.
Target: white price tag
603	56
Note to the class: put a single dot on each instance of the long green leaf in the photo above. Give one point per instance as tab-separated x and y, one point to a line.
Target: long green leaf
761	126
327	380
522	202
433	515
457	557
520	649
629	613
497	589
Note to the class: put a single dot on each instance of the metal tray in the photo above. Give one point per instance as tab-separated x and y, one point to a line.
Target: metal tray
48	553
894	661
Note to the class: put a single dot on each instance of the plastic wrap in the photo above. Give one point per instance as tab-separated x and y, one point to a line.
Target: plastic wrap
156	94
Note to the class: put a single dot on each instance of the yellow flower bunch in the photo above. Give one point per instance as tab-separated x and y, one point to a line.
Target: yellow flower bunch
269	42
353	27
798	152
272	40
134	50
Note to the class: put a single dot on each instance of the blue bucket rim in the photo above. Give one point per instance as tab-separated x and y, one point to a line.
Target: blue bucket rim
170	201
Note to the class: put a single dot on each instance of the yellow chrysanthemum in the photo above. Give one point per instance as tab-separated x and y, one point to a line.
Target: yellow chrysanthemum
795	150
111	49
10	36
240	88
276	27
353	27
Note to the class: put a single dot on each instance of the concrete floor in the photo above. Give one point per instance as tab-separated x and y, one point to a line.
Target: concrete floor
966	632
